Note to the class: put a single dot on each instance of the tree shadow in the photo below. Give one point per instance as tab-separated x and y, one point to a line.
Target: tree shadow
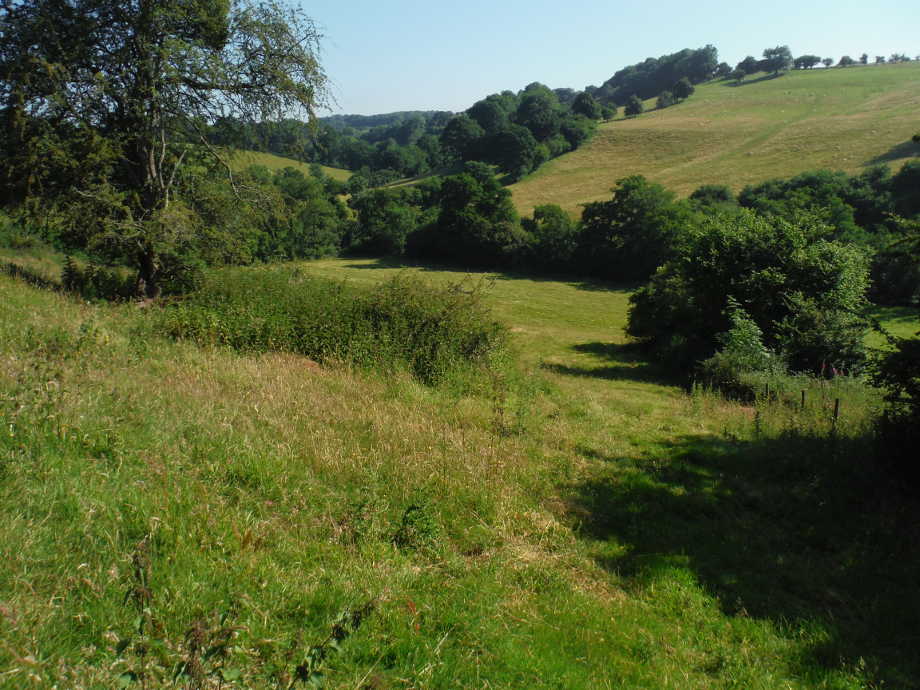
396	262
748	82
628	365
791	530
905	149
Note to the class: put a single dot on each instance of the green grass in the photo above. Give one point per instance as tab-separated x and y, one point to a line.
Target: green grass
842	119
587	525
243	159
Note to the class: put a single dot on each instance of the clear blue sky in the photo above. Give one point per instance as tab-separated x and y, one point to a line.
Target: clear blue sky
433	55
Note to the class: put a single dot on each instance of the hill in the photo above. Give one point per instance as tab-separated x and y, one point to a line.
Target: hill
244	159
593	526
843	119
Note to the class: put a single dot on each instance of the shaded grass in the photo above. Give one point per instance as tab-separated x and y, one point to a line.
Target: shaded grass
842	119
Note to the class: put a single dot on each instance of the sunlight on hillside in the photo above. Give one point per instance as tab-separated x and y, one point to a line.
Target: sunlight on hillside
843	119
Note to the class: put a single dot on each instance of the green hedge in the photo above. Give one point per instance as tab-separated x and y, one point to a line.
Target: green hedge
403	323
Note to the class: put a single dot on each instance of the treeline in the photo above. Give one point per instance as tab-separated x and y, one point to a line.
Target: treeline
816	246
402	146
653	76
516	132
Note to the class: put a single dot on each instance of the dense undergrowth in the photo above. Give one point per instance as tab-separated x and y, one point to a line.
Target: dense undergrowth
434	332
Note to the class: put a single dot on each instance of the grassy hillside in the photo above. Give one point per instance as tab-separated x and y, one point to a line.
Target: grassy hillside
588	525
842	119
245	158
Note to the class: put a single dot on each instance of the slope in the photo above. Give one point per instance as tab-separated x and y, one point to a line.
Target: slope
843	119
244	159
595	528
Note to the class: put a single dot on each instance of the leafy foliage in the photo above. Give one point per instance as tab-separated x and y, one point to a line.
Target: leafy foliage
628	237
476	223
806	294
649	78
127	86
404	323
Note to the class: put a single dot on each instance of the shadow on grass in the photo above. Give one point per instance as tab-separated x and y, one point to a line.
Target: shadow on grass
748	82
798	530
627	364
495	274
905	149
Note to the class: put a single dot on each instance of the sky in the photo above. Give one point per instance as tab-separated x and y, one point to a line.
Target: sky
398	55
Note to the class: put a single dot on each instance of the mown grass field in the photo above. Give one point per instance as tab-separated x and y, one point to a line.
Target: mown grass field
841	119
587	524
243	159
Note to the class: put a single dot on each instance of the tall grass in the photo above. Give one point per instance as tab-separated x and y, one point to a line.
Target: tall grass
434	332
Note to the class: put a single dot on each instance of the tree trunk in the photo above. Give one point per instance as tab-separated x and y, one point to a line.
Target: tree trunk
148	275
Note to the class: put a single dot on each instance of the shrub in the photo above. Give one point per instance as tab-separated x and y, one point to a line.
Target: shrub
742	354
805	294
898	429
99	282
665	100
432	332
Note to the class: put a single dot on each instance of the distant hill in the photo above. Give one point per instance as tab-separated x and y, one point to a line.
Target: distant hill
840	118
243	159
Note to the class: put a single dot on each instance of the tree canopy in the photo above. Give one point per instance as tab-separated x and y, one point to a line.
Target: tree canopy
133	85
778	59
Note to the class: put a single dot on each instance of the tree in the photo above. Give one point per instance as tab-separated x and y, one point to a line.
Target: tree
585	104
139	79
864	59
778	59
513	150
738	75
683	89
723	71
880	60
476	223
628	237
807	61
749	65
665	100
712	195
490	114
804	293
634	107
461	134
383	223
539	112
827	62
552	238
846	61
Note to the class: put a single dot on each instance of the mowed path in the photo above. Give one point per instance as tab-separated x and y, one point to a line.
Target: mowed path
842	119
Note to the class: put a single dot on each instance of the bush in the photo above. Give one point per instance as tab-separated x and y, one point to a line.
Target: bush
898	429
665	100
405	323
805	294
734	369
97	282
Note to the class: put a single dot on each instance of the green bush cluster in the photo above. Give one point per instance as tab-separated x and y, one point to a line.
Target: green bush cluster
97	282
402	324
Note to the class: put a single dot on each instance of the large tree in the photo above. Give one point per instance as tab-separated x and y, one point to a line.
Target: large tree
778	59
140	80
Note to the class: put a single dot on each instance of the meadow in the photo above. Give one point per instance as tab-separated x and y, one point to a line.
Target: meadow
840	119
243	159
178	511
